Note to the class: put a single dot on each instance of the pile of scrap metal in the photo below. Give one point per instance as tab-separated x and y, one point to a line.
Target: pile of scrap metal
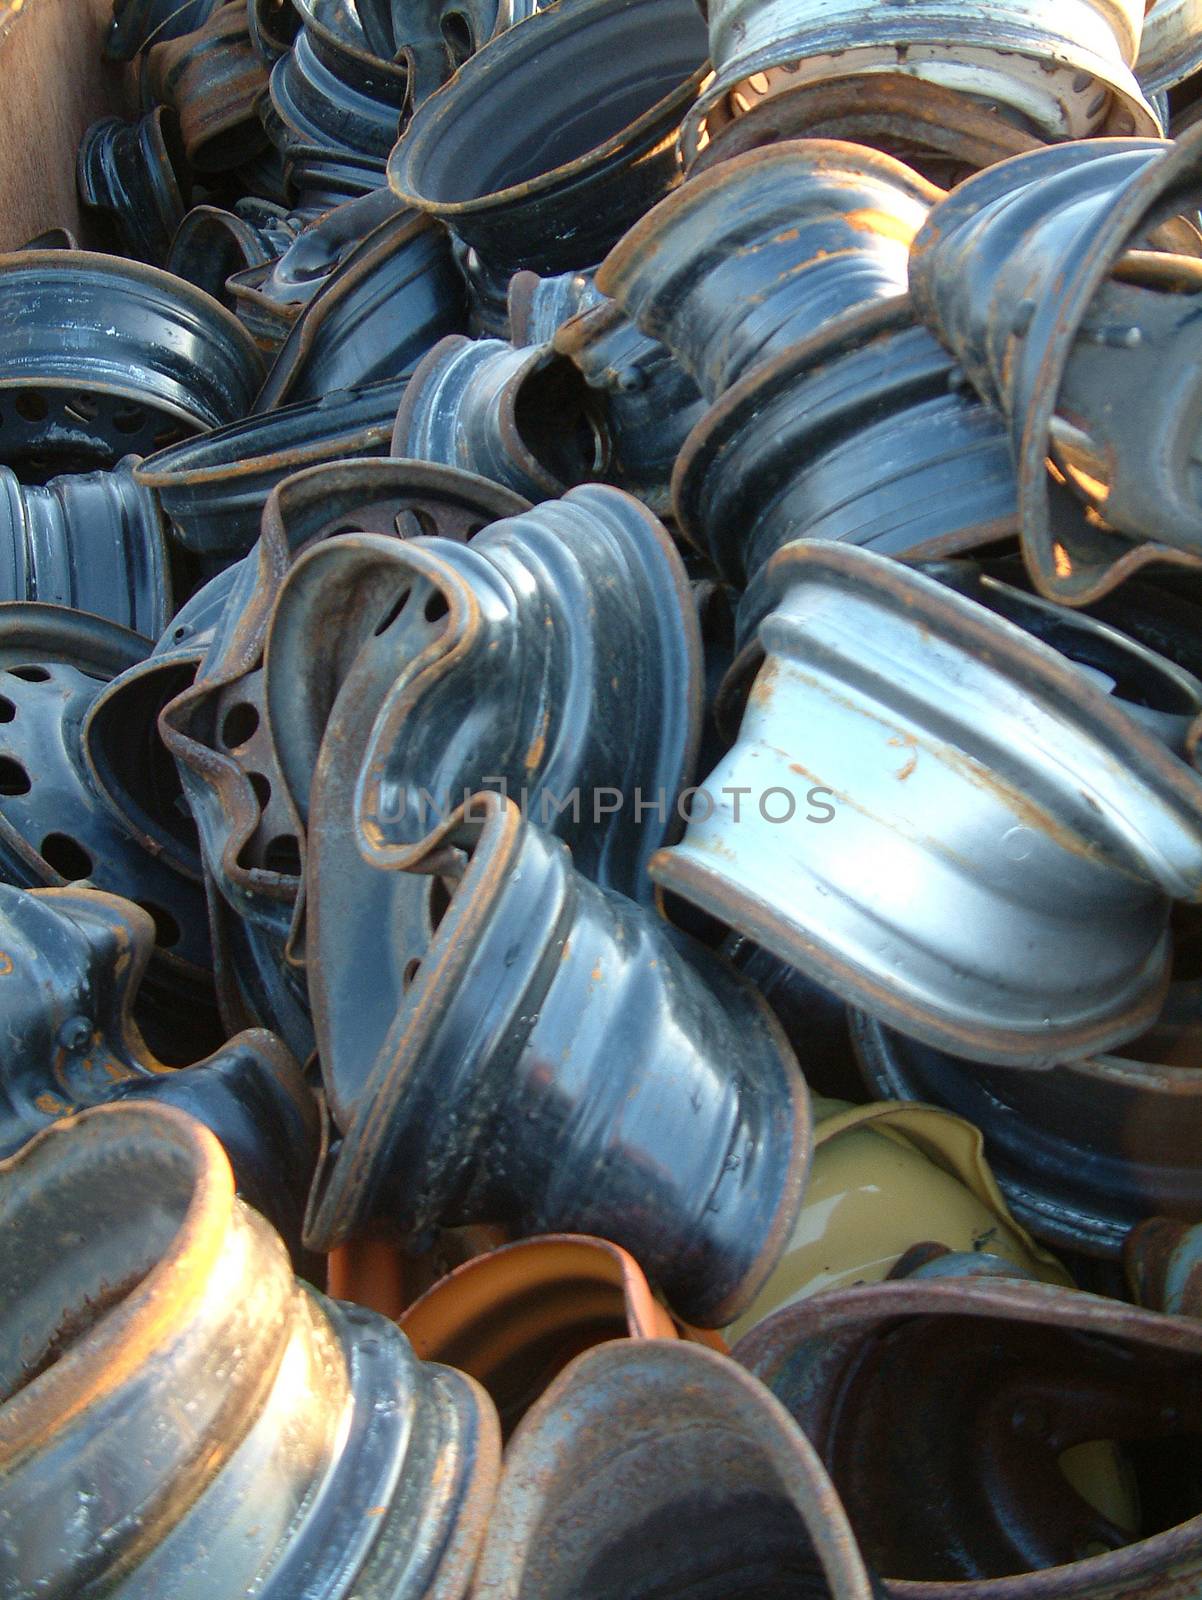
601	808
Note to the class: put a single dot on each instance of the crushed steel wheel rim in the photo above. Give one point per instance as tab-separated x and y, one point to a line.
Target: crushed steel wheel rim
700	1177
132	177
213	79
1080	1184
1060	67
748	259
393	297
55	826
149	359
76	959
942	134
522	418
952	759
861	435
1004	1377
668	1465
530	174
1018	272
94	541
561	646
214	487
320	1455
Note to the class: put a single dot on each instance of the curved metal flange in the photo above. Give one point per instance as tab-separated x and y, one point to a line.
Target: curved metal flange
212	245
1015	273
1079	1183
213	79
523	169
522	418
101	358
138	23
1061	68
1171	47
923	752
556	656
127	760
320	1456
433	37
642	1092
866	435
943	134
93	541
219	732
214	487
671	1465
393	297
514	1317
274	25
133	178
746	260
649	404
332	92
73	962
536	308
55	827
1003	1378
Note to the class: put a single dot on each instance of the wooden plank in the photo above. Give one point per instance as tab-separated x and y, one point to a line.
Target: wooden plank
54	84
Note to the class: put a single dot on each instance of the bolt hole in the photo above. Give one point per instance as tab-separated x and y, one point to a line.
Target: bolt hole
7	710
414	521
31	405
410	972
129	419
239	724
457	35
166	928
13	777
282	855
393	612
262	789
66	855
436	607
30	674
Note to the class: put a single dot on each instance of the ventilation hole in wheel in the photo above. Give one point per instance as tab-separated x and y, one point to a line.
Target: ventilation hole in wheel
166	928
411	971
440	901
129	419
66	855
13	777
84	406
164	437
31	405
239	724
436	607
7	710
30	674
457	35
262	789
474	529
282	855
394	611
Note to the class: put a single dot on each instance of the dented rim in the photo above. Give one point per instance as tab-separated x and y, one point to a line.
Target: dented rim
318	1445
443	1132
